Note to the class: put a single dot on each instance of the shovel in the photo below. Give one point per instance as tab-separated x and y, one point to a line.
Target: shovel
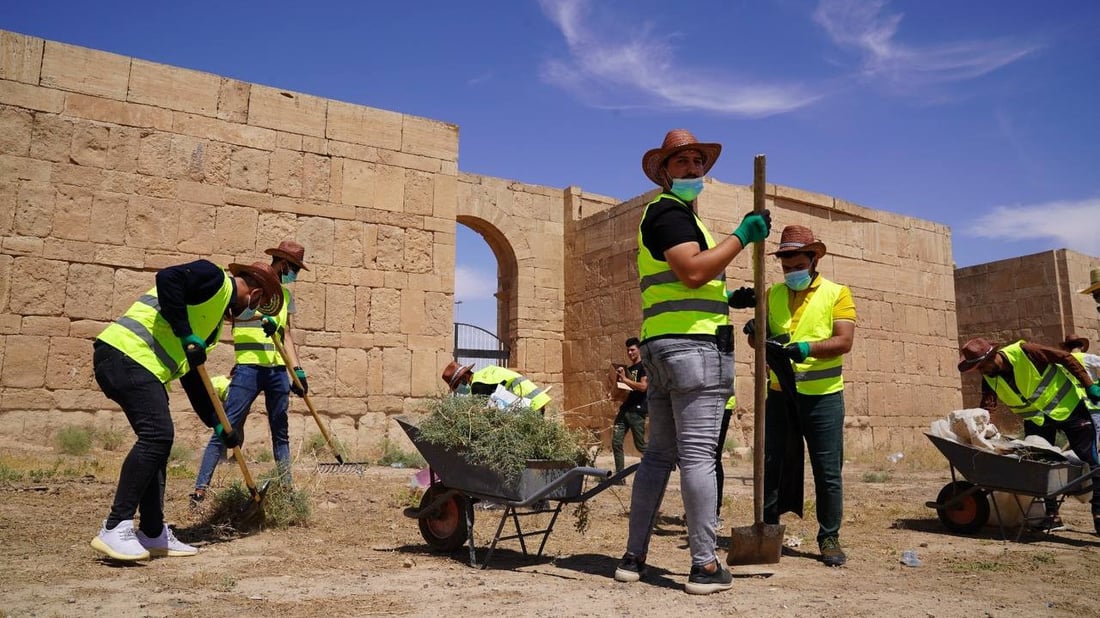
257	494
759	543
356	468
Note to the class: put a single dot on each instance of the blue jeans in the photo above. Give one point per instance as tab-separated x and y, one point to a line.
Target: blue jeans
247	383
689	383
144	400
820	422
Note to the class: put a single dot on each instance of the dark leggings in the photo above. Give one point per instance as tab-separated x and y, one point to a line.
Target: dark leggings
719	470
145	401
1081	435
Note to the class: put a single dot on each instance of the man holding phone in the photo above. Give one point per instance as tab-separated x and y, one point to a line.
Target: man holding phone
632	411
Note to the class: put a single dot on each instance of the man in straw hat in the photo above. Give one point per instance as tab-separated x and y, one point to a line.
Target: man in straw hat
461	379
811	325
260	368
687	351
162	337
1049	389
1094	286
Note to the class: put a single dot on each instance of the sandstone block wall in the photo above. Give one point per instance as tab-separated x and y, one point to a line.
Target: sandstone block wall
1032	297
900	374
113	167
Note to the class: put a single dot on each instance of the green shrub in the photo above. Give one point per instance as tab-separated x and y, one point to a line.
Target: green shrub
113	439
502	440
74	440
393	454
265	456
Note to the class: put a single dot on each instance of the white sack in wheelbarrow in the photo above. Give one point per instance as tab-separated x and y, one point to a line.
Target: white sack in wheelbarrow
972	426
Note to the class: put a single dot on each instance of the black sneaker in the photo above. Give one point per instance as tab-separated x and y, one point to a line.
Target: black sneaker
630	569
831	553
701	582
1050	523
196	500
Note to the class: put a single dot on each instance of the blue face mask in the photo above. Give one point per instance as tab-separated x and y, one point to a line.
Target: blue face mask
462	389
290	277
687	189
798	280
246	315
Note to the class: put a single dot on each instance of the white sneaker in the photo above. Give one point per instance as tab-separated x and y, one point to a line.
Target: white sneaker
121	543
166	544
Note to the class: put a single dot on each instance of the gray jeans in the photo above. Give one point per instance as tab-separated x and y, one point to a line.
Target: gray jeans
689	384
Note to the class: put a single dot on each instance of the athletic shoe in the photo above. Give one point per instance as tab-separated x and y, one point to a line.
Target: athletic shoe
121	543
166	544
831	553
1050	523
701	582
630	569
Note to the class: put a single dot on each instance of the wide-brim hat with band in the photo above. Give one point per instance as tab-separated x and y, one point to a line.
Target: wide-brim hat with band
974	352
675	141
1094	282
290	251
454	372
272	300
1072	341
799	239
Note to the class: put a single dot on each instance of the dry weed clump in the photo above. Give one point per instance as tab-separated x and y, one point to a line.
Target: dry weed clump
283	506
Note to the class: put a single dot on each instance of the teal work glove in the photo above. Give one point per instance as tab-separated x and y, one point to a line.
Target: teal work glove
754	227
231	439
1093	391
797	351
195	349
301	392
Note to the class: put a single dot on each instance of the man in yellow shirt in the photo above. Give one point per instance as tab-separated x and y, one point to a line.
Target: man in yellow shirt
811	324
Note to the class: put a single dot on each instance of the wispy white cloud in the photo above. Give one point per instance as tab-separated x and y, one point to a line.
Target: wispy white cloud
640	71
473	284
1069	224
866	26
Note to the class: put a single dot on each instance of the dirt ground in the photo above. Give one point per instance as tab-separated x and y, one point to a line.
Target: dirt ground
359	556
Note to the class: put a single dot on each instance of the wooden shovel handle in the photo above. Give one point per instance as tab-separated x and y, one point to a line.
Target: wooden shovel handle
228	428
760	317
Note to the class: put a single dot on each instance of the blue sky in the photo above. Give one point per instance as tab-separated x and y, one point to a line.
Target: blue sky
981	115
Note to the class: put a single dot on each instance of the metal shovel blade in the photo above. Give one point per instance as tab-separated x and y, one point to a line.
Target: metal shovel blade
759	543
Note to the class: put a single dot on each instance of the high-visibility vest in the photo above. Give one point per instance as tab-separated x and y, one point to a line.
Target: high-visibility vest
1053	393
252	346
515	383
813	376
221	386
668	306
144	335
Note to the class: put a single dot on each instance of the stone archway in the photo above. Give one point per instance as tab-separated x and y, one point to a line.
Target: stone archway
506	294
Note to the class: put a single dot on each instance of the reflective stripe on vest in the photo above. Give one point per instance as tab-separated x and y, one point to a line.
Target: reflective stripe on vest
144	335
814	376
668	306
252	346
1053	393
514	382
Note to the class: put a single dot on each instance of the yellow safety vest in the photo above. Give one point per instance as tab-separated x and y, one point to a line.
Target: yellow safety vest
144	335
668	306
221	386
1053	393
813	376
252	346
514	382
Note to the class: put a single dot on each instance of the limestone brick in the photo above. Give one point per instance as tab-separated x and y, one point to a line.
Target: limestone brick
349	240
411	162
197	225
70	364
51	138
222	131
389	189
34	208
412	311
249	169
425	373
287	111
90	329
31	97
418	193
36	291
233	100
22	245
20	57
418	251
84	70
351	372
385	311
358	183
151	223
116	112
15	129
24	406
10	323
173	88
430	138
49	326
318	234
108	218
363	125
72	212
362	306
389	248
286	173
309	299
235	230
316	177
396	371
24	362
339	308
89	145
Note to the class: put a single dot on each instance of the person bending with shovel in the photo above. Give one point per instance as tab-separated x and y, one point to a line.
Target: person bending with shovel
687	351
261	368
162	337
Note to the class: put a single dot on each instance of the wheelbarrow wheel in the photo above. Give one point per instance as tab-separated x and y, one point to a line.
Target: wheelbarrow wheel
969	513
444	528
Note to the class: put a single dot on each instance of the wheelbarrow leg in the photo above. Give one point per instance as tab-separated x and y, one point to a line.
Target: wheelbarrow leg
469	517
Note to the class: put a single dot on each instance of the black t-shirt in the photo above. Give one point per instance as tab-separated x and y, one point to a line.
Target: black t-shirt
636	399
669	223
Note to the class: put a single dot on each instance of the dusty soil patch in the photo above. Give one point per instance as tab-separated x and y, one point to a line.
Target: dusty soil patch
361	557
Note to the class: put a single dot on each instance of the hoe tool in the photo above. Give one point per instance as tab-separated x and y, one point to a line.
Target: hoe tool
759	543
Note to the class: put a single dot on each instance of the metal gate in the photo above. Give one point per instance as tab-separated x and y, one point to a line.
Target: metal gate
476	345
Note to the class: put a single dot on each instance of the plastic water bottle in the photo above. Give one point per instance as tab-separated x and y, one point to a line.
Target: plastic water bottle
909	558
895	457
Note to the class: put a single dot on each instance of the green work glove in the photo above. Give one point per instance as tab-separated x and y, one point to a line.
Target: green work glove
194	348
231	439
301	392
797	351
1093	391
269	326
754	227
